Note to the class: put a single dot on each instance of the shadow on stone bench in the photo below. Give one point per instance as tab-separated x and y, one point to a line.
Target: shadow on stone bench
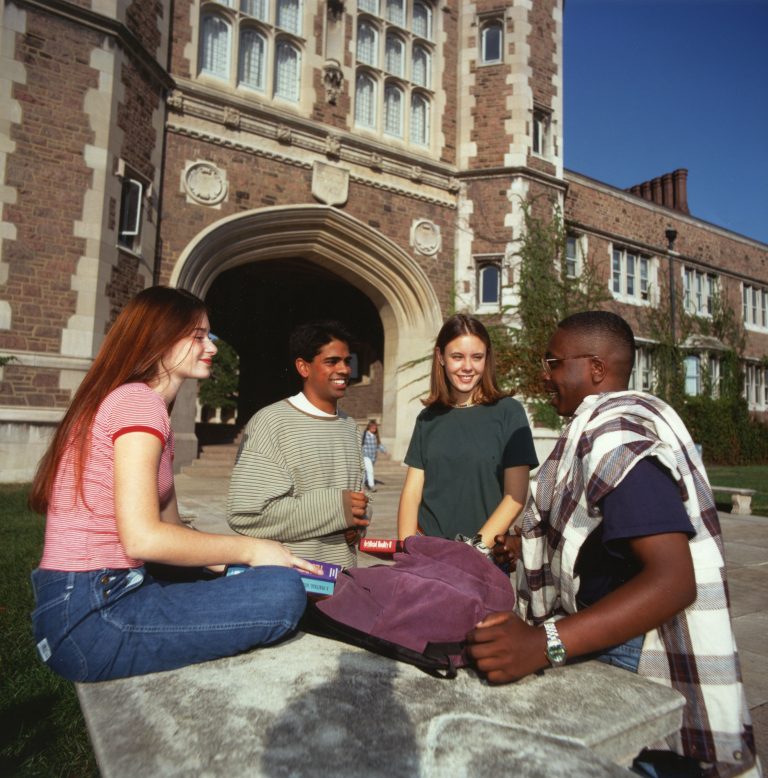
741	499
312	706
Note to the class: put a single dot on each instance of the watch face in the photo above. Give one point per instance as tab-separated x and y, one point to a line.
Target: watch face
556	653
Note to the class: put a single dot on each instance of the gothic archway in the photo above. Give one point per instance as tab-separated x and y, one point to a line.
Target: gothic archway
349	249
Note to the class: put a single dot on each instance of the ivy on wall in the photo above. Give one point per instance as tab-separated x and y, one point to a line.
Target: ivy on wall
547	295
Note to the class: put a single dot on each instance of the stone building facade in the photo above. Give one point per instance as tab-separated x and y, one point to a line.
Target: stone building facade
290	159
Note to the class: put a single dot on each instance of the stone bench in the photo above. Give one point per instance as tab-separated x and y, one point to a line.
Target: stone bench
312	706
741	499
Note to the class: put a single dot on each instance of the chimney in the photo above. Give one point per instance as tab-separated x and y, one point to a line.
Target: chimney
656	191
669	190
680	178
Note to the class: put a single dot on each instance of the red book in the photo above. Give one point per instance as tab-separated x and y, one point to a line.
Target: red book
383	546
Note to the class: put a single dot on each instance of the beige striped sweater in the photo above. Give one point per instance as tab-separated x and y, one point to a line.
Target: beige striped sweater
288	480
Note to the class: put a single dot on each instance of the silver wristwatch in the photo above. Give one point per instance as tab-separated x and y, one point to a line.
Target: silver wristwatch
477	543
556	653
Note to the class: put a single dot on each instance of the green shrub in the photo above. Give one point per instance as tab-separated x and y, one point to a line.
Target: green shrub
725	430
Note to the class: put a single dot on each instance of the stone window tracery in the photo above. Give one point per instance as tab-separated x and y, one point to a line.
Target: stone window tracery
393	79
255	45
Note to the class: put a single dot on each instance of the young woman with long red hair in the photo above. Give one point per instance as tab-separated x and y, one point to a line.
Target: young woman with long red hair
106	487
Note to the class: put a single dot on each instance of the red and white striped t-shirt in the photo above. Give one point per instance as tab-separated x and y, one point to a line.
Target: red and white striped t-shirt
83	536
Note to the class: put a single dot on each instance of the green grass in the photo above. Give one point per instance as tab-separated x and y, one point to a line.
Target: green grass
745	476
42	732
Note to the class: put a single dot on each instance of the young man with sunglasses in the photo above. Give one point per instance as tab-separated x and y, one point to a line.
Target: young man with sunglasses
621	555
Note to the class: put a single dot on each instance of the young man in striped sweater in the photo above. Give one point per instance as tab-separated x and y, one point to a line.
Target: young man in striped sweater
299	472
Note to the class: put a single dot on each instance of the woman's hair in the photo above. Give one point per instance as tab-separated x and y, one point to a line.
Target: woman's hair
487	391
133	349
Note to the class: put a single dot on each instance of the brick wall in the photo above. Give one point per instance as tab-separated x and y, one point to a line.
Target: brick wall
48	172
613	217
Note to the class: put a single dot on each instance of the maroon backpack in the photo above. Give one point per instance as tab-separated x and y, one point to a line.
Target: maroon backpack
418	610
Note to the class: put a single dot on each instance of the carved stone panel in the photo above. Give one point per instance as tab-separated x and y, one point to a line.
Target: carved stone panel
425	237
205	183
330	183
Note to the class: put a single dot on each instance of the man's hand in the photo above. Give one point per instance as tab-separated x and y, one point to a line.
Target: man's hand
357	502
506	649
352	535
506	548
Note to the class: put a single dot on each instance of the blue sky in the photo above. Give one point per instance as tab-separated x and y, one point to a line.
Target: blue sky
655	85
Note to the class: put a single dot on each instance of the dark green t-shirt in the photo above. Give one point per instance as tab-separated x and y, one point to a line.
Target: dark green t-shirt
463	453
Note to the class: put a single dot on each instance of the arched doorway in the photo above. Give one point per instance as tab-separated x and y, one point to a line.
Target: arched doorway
254	307
340	253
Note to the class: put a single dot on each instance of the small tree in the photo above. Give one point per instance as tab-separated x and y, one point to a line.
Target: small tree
547	295
220	390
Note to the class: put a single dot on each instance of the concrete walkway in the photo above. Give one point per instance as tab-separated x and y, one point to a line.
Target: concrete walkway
202	491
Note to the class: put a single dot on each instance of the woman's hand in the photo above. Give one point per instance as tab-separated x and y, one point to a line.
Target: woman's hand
270	552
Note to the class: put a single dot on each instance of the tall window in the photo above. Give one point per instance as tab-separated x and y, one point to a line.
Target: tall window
131	202
754	306
253	48
287	71
631	276
365	101
572	256
489	283
422	20
258	9
419	119
491	38
396	11
289	16
421	67
756	386
692	375
641	378
367	44
714	376
540	141
253	44
215	46
699	291
394	57
393	110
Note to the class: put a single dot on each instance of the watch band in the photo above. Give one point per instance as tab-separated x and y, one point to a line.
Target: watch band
555	651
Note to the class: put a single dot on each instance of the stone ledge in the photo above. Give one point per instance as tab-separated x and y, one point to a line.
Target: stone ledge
312	706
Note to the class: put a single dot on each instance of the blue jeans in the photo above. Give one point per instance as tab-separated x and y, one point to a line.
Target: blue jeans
104	624
626	655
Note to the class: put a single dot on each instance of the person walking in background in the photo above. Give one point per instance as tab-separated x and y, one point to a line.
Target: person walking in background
471	451
298	476
106	487
371	447
621	555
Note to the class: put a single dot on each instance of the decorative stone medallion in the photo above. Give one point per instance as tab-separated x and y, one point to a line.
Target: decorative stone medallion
330	183
205	183
425	237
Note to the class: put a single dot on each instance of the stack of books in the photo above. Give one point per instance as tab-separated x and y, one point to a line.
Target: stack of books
321	584
316	584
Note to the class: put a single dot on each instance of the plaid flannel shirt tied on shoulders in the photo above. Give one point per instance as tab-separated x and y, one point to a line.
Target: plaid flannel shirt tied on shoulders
695	652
